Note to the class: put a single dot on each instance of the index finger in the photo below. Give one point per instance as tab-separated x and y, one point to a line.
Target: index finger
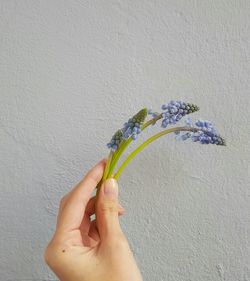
73	211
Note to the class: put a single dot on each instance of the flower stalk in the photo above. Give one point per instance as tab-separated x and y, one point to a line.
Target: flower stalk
146	143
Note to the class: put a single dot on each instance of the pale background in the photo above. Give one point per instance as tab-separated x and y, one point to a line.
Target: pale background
72	72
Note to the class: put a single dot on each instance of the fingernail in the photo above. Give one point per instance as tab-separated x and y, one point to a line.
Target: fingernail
111	188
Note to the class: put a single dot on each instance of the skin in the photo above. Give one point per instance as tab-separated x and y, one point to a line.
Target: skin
97	250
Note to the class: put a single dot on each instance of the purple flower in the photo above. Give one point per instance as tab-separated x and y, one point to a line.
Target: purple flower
203	132
132	128
175	110
115	140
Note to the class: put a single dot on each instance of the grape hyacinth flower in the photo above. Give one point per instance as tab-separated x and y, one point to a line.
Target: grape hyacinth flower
115	140
175	110
132	128
204	132
201	131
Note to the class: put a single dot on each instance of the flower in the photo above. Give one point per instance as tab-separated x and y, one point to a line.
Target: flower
131	128
115	140
175	110
203	131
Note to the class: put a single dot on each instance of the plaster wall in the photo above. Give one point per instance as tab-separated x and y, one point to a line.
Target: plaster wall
72	72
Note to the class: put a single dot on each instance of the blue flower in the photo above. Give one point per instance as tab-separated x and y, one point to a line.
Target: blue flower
203	131
115	140
175	110
132	128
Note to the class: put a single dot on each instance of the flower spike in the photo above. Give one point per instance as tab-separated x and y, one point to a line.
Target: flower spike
203	132
175	110
132	129
133	126
116	140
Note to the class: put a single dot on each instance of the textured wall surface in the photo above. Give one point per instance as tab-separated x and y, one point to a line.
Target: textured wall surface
72	72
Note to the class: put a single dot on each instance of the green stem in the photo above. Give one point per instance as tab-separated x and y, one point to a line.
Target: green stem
125	143
106	170
146	143
107	167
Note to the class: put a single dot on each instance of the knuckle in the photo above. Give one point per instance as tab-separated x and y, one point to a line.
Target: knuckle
62	201
93	176
109	206
47	255
50	254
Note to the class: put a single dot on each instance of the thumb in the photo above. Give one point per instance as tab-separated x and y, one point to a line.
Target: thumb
107	210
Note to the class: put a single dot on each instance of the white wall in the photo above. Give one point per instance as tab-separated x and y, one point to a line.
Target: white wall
72	72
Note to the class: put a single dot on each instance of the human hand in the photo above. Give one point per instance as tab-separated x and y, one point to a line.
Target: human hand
85	250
